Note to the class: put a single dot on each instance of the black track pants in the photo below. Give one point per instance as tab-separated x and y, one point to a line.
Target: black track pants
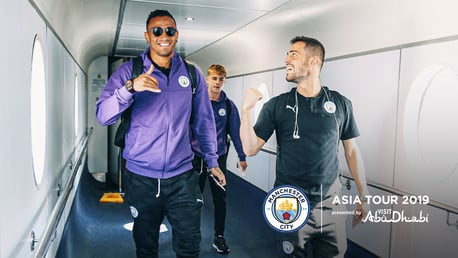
152	199
219	195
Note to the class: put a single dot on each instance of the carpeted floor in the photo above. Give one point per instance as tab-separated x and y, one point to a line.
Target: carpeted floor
96	230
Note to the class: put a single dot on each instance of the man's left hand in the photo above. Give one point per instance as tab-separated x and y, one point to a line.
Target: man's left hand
218	174
360	214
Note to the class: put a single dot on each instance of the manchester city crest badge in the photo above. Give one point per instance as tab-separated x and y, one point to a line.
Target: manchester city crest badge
286	208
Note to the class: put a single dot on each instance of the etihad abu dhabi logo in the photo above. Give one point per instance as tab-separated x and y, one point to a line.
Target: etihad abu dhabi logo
286	208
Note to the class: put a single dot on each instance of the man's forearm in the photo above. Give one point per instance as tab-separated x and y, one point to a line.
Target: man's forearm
248	136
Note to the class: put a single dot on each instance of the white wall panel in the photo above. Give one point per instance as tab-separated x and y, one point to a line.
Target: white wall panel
263	175
57	162
233	161
234	90
258	169
427	146
259	166
280	85
371	83
23	204
97	148
257	172
67	109
424	240
55	66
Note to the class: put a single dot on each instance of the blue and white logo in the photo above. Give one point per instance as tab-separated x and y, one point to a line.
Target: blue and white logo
183	81
330	107
222	112
286	208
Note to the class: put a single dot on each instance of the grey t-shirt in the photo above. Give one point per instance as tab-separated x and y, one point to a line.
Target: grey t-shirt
311	160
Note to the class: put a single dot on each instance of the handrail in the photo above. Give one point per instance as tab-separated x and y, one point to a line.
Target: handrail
395	191
58	210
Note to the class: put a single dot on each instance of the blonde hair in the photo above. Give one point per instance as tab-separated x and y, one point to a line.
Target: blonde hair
217	68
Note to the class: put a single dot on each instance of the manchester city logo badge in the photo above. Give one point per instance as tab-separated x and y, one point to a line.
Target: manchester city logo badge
286	208
330	107
222	112
183	81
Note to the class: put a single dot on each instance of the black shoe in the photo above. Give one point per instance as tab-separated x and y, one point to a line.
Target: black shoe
220	245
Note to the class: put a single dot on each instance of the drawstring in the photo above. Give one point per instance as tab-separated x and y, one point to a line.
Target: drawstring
201	166
158	188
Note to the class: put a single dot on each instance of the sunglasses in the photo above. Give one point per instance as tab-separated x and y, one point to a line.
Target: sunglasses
170	31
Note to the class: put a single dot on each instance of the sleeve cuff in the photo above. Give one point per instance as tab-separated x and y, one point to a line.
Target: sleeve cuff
212	163
125	94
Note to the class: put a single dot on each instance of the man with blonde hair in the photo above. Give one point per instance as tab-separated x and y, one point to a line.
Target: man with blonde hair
227	122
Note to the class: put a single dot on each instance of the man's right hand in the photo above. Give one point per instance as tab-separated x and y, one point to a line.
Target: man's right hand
146	82
252	96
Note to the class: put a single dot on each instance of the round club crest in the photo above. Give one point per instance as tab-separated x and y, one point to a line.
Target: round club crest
183	81
286	208
288	247
330	107
222	112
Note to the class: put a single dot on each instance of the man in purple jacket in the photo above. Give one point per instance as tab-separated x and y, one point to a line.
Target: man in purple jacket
160	179
227	121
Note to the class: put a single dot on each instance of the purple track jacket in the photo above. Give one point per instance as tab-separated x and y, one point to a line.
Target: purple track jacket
158	141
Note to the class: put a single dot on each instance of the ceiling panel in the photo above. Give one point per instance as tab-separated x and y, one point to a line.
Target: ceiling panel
213	21
260	5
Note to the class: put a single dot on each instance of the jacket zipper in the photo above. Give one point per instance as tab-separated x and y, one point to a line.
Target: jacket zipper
166	159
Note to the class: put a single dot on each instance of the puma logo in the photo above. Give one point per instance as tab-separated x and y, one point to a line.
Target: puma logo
292	108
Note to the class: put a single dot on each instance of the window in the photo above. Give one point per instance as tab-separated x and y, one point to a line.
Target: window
38	110
77	106
430	125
